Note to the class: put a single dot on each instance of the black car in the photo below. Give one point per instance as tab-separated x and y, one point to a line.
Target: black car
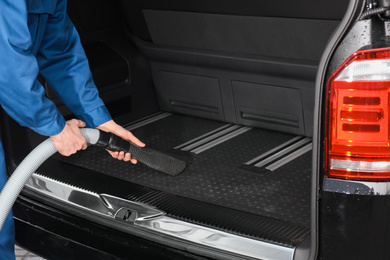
280	110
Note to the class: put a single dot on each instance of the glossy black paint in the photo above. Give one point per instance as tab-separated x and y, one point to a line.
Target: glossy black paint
362	35
354	226
55	234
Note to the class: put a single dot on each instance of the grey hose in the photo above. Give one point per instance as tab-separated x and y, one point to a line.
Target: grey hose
28	166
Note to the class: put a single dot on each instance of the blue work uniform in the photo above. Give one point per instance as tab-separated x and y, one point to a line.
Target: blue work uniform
37	36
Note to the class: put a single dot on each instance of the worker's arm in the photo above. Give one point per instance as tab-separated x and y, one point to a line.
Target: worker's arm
21	95
64	66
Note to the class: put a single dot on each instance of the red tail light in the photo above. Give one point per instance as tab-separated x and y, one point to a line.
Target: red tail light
358	136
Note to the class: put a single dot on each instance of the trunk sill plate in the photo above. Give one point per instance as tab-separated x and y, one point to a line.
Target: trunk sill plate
154	220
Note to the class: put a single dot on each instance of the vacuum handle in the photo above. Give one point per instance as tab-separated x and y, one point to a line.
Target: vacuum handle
114	143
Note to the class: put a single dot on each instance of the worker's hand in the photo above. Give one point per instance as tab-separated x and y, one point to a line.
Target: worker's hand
70	140
118	130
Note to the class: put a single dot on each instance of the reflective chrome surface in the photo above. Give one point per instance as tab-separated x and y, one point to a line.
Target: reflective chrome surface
102	204
288	158
281	154
146	121
218	239
274	150
212	138
154	220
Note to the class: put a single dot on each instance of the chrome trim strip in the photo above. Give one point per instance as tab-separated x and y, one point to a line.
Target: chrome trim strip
141	210
107	206
148	121
221	140
202	136
214	136
356	187
273	150
103	204
219	240
64	193
282	152
290	157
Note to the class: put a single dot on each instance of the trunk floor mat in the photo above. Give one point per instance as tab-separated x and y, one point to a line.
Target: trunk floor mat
218	175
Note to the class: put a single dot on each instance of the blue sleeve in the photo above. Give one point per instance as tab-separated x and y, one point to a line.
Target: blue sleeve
64	66
21	95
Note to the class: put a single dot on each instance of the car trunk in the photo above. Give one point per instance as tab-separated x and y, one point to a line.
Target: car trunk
230	91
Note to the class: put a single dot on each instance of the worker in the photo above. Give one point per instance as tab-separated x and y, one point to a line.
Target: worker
37	37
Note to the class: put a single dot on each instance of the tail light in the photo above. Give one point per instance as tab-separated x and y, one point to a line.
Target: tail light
357	134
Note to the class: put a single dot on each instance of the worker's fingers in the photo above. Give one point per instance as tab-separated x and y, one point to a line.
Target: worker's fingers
133	161
118	130
81	124
134	139
76	123
127	135
113	154
75	126
121	155
84	146
70	140
126	157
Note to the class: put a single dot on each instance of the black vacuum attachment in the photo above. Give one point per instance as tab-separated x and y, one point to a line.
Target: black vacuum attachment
152	158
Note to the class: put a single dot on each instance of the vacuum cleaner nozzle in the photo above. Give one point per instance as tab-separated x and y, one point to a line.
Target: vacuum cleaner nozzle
150	157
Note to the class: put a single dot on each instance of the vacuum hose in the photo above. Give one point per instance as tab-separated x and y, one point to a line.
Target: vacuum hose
151	158
28	166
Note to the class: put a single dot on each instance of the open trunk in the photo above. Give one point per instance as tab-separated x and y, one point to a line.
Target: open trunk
241	184
256	176
230	91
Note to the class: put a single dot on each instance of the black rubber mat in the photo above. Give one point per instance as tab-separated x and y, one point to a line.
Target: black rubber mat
174	130
194	211
217	175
